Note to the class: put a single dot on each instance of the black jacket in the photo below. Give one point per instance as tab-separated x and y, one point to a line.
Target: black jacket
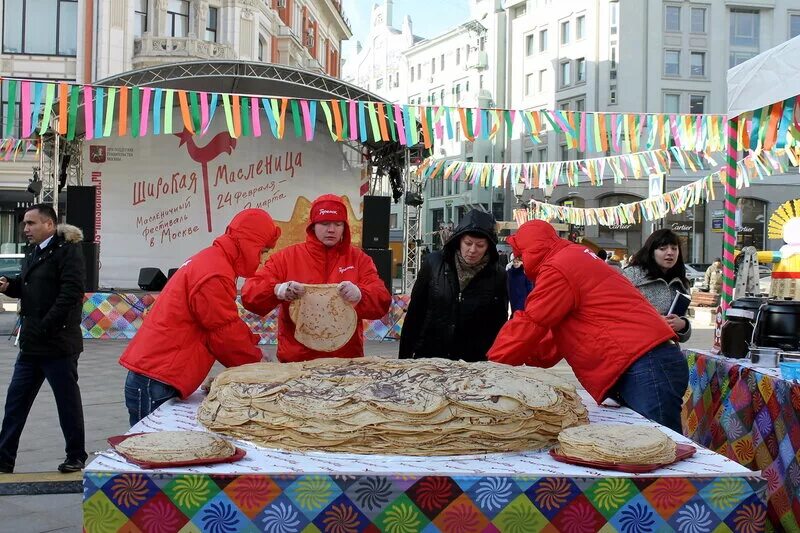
50	289
444	322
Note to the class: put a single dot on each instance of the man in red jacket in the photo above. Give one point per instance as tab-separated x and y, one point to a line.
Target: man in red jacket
585	311
325	257
195	320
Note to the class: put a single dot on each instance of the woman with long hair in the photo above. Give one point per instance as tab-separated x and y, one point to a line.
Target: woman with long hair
657	270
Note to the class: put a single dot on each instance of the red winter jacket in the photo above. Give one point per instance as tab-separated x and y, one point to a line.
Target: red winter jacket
313	262
195	320
580	309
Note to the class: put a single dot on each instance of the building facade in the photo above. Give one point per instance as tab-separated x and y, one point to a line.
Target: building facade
673	57
84	41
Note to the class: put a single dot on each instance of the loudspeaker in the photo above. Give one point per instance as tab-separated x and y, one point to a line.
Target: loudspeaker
80	209
375	224
91	258
383	262
151	279
171	272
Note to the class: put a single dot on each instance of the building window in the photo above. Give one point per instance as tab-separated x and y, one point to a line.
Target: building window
744	35
419	71
458	56
580	105
542	74
393	221
566	74
47	27
580	24
613	16
412	73
698	69
519	11
178	18
697	104
542	155
433	65
612	95
794	26
672	62
441	62
458	92
672	103
564	152
480	81
379	83
139	17
262	48
698	20
580	70
441	97
529	156
528	84
613	58
530	46
672	19
565	32
211	24
542	40
397	79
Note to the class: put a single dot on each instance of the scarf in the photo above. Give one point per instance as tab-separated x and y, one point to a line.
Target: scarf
466	271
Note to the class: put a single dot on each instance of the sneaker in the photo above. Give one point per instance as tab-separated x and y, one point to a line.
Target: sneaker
71	465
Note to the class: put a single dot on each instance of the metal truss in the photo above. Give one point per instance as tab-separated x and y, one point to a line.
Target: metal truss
412	232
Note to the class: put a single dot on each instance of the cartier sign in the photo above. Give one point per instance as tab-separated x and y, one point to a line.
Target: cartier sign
677	226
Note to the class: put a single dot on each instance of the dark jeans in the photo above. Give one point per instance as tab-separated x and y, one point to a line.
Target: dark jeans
654	385
143	395
29	374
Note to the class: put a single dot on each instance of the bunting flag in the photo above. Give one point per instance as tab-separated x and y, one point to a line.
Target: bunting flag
654	208
550	174
772	127
12	149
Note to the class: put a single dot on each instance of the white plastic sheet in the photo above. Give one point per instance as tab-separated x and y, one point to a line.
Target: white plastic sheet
770	77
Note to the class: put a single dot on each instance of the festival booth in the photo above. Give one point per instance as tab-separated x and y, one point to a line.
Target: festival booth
167	183
750	413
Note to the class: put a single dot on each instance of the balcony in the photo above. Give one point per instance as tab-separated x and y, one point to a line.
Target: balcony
149	50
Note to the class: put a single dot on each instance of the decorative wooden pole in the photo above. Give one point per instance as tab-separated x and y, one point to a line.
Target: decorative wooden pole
729	207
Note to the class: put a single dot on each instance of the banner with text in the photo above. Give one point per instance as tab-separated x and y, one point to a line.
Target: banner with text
162	199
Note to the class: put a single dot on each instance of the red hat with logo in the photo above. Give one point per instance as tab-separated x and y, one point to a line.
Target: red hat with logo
328	208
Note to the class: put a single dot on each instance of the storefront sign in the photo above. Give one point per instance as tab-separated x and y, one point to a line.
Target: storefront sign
744	229
677	226
620	227
716	225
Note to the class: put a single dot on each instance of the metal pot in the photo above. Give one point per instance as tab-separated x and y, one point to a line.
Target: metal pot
764	357
778	325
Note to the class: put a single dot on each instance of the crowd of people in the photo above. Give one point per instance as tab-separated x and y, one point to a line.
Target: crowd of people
607	317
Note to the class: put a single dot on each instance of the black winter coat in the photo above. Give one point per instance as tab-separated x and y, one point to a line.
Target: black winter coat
50	289
442	321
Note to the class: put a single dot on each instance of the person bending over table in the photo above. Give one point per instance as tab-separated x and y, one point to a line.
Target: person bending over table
586	312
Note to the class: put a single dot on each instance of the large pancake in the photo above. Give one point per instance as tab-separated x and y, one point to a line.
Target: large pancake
175	446
323	321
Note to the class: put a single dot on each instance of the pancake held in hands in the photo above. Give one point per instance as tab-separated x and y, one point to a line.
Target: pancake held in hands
617	443
323	321
403	407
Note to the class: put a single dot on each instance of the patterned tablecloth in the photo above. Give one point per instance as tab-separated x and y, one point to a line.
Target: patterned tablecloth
751	416
118	315
271	490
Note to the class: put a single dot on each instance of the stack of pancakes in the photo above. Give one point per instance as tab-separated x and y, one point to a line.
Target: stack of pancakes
405	407
175	447
617	443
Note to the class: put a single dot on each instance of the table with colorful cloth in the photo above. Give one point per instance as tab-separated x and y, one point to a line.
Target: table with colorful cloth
119	315
272	490
750	415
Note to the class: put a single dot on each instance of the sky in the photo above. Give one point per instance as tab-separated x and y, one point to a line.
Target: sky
428	17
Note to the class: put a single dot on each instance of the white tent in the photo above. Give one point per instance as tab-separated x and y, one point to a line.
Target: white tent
770	77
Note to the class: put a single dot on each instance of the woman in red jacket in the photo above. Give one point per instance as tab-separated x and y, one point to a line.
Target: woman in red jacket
325	257
585	311
195	320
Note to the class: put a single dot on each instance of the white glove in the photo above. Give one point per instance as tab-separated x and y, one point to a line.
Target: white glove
290	290
349	292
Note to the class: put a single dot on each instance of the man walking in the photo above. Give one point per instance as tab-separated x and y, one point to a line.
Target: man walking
50	289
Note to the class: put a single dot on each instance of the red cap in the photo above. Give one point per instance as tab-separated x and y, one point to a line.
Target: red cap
328	211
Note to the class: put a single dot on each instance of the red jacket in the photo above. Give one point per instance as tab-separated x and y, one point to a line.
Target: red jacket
580	309
313	262
195	320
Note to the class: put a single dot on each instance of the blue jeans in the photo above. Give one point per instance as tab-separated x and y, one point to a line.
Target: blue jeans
143	395
654	385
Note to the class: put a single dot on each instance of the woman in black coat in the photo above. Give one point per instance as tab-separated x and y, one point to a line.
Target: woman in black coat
460	300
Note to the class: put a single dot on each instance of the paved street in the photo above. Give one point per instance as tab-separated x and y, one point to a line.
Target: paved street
102	379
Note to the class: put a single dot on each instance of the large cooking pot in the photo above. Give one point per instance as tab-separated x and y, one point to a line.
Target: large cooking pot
778	325
737	331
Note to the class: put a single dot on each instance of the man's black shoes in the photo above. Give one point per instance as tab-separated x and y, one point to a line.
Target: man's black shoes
71	465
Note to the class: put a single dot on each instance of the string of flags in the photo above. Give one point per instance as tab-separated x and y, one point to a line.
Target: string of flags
552	173
756	165
102	111
13	149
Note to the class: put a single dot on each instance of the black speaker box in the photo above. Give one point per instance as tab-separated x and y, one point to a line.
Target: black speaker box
80	209
91	258
151	279
171	273
375	224
383	262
